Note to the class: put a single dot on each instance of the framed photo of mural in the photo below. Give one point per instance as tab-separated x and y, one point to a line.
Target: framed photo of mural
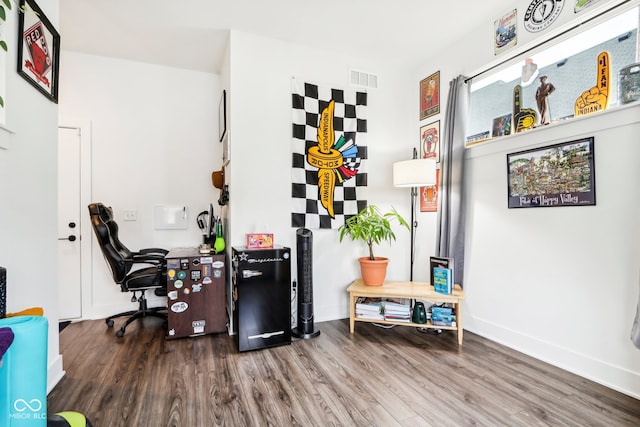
38	50
430	96
556	175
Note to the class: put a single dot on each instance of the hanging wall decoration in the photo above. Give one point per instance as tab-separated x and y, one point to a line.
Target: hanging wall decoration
38	49
556	175
581	5
329	154
506	32
541	14
429	196
430	96
430	141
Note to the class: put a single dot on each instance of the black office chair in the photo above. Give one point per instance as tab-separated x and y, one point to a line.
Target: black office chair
121	260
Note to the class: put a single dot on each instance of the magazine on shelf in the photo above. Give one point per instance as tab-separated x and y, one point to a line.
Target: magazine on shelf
440	262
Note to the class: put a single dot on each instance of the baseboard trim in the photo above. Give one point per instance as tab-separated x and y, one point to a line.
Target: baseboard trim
55	373
604	373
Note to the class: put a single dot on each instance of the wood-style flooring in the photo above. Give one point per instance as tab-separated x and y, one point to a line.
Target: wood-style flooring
375	377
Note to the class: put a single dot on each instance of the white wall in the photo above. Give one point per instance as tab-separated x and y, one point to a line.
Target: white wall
261	73
28	199
153	141
560	284
551	314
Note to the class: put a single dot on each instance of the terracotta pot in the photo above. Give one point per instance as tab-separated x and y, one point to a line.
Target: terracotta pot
373	272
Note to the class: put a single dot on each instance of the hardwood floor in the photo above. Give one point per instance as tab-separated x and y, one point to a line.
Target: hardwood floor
375	377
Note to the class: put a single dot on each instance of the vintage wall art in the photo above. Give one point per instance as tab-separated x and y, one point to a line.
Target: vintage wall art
38	49
557	175
430	96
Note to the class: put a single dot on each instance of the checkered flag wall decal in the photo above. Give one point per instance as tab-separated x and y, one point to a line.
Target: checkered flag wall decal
329	154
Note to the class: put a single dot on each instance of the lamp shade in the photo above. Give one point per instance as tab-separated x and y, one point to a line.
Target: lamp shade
414	173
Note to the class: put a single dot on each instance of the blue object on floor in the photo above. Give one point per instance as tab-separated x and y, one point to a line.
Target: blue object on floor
23	375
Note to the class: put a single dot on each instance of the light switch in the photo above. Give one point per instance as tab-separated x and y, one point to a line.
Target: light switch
130	215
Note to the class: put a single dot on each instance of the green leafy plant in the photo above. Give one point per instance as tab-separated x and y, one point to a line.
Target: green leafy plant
372	227
3	43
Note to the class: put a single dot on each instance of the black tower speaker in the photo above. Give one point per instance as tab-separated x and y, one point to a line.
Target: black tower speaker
3	292
304	246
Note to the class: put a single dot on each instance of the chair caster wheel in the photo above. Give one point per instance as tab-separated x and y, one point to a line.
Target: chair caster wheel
109	322
120	333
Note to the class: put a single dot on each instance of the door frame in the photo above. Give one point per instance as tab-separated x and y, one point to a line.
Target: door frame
86	233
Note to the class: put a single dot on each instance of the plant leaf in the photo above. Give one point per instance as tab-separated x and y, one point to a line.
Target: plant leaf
1	102
3	15
3	45
7	3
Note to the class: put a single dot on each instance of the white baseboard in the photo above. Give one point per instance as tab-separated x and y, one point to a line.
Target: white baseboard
54	373
602	372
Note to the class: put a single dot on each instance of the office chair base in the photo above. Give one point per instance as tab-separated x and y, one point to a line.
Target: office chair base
142	312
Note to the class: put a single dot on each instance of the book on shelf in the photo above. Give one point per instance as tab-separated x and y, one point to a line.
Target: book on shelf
443	280
442	316
392	309
440	262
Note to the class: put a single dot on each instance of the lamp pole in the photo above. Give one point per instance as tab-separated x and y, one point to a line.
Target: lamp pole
414	222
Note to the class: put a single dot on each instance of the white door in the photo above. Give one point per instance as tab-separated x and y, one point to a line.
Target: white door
69	281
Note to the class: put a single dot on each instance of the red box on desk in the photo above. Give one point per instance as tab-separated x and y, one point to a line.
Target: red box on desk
260	241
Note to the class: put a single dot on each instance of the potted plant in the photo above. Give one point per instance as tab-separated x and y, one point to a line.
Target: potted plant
372	227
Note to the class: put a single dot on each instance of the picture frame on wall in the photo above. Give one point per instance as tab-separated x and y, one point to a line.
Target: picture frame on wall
556	175
429	196
430	141
430	96
38	49
222	116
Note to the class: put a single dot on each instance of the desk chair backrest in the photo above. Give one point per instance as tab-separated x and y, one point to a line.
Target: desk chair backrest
118	257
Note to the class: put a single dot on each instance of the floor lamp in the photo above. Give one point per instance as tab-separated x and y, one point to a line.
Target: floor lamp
414	173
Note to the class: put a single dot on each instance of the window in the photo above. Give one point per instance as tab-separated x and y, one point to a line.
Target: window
570	66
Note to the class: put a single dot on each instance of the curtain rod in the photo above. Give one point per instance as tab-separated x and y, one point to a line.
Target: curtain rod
468	79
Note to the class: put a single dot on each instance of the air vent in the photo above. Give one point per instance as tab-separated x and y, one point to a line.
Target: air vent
363	79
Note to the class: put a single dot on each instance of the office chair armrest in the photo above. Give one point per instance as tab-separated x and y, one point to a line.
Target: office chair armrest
158	251
150	258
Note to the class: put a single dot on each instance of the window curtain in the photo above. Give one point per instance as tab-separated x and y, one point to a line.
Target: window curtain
635	329
451	209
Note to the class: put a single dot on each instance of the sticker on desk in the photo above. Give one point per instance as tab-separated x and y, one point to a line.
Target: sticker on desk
173	295
179	307
206	270
198	326
196	287
218	264
207	281
206	260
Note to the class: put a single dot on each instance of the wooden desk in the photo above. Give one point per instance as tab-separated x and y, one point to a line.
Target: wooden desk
414	290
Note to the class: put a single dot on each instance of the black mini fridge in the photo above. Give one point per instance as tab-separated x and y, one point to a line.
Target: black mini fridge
261	281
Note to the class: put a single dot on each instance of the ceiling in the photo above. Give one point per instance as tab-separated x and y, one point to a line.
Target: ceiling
192	34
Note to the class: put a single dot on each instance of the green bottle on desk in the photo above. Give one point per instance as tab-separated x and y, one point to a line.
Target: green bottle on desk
218	244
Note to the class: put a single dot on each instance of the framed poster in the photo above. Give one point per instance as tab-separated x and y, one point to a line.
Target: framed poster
430	96
506	32
430	141
429	196
38	50
556	175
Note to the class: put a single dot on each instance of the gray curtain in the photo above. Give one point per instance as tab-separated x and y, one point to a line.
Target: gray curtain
451	209
635	329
